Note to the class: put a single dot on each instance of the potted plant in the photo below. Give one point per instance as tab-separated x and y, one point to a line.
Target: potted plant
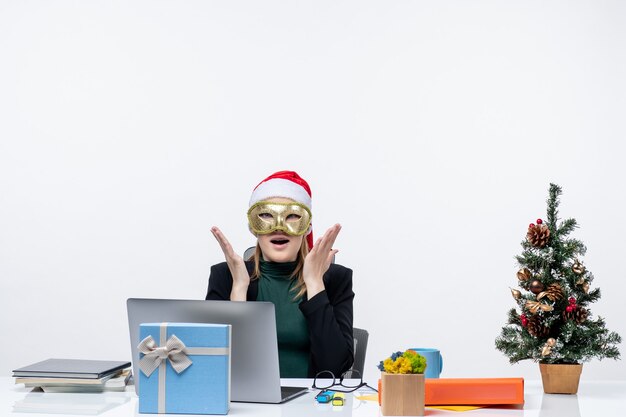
552	323
402	384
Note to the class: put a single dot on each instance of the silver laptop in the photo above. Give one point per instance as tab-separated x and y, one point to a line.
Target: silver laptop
255	375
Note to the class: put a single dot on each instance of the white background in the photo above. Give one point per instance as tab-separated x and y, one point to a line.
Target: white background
429	129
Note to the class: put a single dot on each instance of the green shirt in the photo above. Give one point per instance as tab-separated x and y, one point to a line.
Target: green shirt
275	284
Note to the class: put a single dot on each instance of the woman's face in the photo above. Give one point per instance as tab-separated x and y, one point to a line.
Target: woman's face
279	246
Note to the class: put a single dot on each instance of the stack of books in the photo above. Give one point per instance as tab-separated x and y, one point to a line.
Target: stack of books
74	375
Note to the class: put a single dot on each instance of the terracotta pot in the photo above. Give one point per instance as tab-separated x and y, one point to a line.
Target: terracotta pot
402	394
560	378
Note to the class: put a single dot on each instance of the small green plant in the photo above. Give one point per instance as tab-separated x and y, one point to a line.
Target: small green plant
407	362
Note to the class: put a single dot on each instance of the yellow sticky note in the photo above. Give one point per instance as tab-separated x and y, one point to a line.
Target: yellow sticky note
374	397
367	397
457	407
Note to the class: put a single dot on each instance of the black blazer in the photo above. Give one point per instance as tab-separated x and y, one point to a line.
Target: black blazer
328	315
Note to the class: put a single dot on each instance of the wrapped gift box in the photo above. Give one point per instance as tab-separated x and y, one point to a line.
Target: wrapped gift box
203	350
475	391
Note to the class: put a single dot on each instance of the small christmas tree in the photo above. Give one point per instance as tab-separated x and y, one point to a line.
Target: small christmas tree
553	323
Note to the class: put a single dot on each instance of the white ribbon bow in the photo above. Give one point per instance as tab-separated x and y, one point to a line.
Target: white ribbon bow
174	350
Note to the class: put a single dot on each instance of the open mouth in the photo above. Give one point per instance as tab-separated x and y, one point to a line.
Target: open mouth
279	241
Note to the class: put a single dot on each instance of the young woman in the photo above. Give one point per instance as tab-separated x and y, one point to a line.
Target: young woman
313	296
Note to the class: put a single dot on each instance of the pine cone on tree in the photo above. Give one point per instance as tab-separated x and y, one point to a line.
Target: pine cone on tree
579	315
536	327
538	235
554	292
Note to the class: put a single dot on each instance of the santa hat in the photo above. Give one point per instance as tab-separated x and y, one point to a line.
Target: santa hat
286	184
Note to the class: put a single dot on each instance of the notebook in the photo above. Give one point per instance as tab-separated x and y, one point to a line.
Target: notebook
70	368
255	375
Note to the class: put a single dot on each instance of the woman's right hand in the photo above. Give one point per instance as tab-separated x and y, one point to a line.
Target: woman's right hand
236	265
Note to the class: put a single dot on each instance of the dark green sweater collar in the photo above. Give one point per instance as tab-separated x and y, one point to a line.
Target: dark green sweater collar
277	270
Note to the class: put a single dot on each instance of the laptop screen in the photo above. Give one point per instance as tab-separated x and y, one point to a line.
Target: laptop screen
255	375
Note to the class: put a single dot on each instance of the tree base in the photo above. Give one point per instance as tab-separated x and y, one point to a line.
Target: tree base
560	378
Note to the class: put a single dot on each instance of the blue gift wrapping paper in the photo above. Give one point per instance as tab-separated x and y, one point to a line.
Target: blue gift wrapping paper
202	388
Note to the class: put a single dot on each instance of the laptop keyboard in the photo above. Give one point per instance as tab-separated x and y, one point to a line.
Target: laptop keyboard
286	392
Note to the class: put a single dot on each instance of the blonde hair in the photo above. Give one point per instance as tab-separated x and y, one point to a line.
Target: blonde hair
299	288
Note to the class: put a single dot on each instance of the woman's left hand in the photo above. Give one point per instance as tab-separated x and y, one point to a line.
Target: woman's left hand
318	260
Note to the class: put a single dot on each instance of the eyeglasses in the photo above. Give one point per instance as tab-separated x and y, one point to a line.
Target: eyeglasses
349	380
